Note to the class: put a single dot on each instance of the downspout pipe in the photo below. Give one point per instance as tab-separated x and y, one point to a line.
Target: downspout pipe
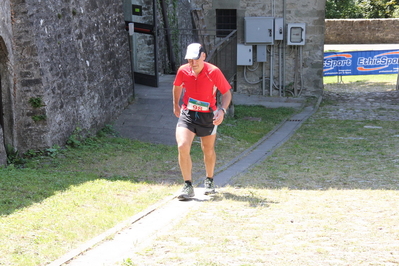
171	55
284	47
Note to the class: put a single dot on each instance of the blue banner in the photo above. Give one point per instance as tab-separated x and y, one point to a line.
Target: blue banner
361	63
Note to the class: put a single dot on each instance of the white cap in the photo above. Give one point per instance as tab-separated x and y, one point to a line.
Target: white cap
194	51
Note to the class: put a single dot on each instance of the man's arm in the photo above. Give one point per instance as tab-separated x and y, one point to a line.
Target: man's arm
219	116
177	90
226	99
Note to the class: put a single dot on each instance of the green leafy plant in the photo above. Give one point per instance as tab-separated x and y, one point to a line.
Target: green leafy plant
75	140
108	130
38	118
53	151
36	102
13	156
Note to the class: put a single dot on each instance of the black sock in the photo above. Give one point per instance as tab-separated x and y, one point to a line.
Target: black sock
188	182
210	178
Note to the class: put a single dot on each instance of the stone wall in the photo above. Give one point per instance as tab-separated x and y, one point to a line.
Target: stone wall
70	56
361	31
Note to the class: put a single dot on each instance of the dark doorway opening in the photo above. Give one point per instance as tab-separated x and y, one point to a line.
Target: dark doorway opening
1	108
226	21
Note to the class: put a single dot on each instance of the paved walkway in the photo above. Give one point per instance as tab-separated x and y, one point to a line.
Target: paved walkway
150	118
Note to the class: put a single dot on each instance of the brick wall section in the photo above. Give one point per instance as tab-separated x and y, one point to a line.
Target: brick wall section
361	31
74	55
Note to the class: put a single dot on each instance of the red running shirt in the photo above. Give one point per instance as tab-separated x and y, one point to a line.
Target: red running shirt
204	86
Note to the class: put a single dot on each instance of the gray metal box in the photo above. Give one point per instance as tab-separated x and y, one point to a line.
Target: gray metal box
244	55
259	30
261	53
278	29
296	33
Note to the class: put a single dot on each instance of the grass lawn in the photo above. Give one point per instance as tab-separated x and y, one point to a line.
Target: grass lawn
388	79
55	203
328	196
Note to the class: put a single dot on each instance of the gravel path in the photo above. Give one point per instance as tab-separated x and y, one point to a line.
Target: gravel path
360	103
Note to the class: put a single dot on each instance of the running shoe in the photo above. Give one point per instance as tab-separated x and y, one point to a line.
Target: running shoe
187	192
209	186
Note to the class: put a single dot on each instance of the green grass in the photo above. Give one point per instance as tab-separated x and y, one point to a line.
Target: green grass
251	123
382	79
339	154
55	203
328	196
282	227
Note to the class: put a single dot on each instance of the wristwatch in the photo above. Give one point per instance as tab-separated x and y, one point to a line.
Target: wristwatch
224	110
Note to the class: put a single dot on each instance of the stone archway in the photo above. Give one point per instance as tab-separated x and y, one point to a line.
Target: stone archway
6	109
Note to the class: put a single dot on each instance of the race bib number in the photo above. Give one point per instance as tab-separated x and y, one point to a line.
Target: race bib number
196	105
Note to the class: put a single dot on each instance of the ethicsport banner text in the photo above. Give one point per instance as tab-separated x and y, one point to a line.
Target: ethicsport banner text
361	63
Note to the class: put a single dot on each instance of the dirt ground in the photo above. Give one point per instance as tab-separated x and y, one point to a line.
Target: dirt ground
243	226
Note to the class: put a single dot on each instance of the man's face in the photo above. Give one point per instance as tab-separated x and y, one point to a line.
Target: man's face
197	64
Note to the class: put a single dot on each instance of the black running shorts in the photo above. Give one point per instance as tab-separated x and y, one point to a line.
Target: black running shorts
198	122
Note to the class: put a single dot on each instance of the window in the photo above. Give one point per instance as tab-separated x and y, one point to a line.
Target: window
226	21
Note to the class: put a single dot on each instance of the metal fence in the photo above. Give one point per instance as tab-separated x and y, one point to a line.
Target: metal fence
221	51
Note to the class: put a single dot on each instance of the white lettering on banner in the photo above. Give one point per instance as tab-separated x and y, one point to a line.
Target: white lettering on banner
382	61
331	63
361	62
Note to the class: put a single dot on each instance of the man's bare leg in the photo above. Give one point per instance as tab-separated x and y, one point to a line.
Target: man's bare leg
208	148
184	138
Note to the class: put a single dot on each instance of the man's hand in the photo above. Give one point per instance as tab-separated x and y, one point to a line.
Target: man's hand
177	90
218	117
176	110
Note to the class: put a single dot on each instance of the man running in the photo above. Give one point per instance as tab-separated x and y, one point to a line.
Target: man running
199	114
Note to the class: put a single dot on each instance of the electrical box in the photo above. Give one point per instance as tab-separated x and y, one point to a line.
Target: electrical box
258	30
261	53
244	55
278	29
296	33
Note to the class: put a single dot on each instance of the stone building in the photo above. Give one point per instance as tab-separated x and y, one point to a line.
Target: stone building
66	66
278	67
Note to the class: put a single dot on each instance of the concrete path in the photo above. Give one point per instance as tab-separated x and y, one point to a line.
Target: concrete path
150	119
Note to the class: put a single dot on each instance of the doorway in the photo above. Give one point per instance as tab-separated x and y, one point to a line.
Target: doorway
141	14
6	106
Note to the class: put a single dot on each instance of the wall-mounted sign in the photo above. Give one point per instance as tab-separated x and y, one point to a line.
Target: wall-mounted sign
361	63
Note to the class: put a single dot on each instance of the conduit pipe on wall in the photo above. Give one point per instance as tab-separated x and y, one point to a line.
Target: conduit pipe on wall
171	54
283	48
263	78
271	70
280	54
271	81
300	69
251	70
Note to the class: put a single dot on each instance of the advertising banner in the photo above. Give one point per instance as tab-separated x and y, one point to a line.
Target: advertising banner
361	63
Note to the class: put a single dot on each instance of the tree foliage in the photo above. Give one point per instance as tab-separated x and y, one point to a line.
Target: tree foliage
362	9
